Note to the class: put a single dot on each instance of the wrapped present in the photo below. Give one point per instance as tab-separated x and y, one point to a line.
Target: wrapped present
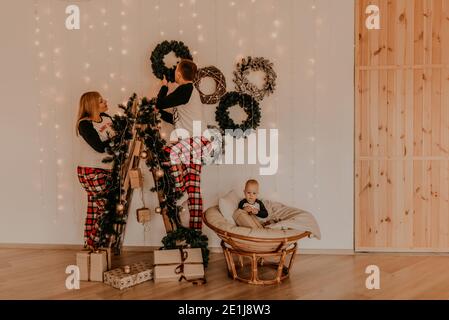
143	215
135	178
92	264
120	279
178	264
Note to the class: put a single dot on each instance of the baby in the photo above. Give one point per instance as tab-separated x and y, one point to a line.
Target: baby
251	204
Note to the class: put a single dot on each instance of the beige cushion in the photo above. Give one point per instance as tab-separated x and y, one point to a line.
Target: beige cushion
228	204
244	219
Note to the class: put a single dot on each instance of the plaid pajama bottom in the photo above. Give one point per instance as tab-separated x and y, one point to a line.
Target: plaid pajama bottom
93	180
186	162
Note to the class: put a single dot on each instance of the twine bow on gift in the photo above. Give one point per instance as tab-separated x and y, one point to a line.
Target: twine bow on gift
180	270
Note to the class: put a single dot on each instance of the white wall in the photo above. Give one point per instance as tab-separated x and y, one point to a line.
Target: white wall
312	49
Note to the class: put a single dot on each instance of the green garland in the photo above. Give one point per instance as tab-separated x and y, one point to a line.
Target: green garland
149	116
161	50
112	222
249	105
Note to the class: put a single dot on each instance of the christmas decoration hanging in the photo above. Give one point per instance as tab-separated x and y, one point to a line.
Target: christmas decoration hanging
157	58
220	84
249	105
242	83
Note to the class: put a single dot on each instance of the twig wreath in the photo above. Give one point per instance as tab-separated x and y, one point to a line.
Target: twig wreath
157	58
220	84
249	105
242	83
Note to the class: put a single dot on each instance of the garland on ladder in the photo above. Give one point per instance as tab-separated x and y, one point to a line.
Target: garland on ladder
165	183
114	218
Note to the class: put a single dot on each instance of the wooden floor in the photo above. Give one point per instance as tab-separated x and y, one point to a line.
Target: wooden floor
40	274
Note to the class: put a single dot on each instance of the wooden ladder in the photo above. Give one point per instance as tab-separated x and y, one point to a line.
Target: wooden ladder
135	148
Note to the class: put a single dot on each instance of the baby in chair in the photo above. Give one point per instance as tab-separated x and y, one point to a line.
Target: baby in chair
251	204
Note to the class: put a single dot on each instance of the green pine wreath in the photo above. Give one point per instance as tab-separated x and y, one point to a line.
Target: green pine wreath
249	105
157	58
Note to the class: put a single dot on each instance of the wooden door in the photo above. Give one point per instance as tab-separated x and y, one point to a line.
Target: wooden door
402	127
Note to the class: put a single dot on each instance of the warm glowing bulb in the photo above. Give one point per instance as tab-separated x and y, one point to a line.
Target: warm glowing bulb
56	126
124	52
87	79
124	27
57	50
194	15
36	43
112	75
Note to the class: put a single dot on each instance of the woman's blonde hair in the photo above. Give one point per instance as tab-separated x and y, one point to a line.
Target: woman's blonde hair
89	104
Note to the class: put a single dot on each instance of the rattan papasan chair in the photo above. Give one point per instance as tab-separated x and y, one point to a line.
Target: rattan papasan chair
273	247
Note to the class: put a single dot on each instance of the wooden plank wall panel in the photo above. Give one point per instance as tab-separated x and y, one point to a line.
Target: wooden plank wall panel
402	127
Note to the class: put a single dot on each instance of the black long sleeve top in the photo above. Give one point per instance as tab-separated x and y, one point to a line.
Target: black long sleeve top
263	213
92	136
180	96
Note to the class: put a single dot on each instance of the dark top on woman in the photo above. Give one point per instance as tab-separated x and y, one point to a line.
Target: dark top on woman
96	134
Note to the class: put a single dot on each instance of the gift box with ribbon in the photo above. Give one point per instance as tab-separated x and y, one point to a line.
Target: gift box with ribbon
92	264
179	264
122	278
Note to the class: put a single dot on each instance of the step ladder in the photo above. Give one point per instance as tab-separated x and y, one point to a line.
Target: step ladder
135	148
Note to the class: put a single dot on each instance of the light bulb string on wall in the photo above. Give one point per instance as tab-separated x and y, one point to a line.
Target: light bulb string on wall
314	140
52	105
39	105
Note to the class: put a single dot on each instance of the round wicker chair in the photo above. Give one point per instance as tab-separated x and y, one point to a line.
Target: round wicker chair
260	246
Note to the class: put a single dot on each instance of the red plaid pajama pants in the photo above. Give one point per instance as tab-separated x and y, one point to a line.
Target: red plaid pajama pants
93	181
185	167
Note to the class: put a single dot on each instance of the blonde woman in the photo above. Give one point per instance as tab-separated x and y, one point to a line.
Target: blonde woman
94	129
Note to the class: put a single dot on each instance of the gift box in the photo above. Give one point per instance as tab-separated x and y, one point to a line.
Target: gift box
143	215
119	279
92	264
135	178
178	264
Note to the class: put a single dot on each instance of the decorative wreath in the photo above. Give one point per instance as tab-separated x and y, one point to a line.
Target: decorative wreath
161	50
255	64
249	105
220	84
